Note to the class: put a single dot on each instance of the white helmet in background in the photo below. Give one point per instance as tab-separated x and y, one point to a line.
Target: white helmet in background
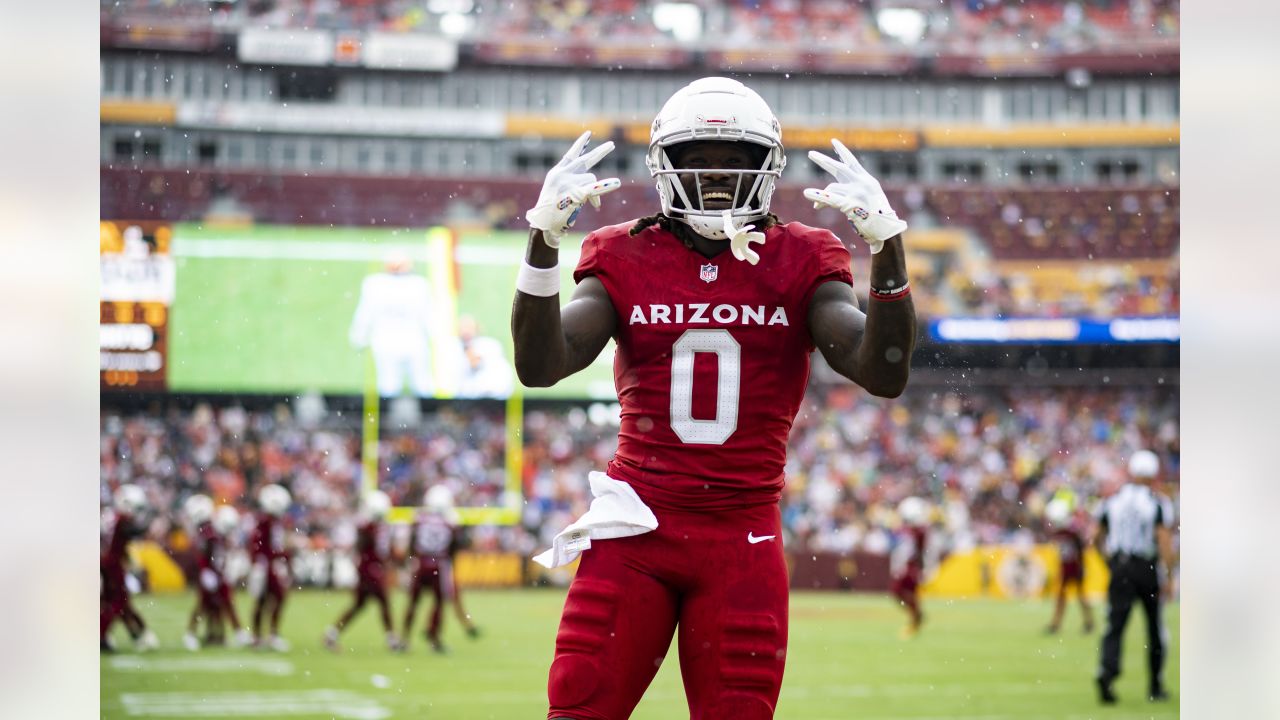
716	108
129	499
439	499
226	519
913	510
1144	464
1058	512
274	499
377	504
198	509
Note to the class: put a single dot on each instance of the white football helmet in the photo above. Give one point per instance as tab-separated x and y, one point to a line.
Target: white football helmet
130	499
274	499
913	511
439	499
1144	464
198	509
716	108
226	519
1058	512
376	504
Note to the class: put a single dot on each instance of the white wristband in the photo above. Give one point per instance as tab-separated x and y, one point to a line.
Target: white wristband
542	282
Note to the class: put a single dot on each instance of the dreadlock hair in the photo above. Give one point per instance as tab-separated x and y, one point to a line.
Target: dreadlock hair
680	230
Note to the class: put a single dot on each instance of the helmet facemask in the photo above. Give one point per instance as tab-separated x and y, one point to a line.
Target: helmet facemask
748	194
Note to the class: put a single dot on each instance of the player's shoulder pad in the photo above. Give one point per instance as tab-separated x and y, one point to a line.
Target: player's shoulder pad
609	234
816	237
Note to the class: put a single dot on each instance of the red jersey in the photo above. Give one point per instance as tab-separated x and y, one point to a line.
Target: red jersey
434	539
373	543
125	530
712	359
917	535
267	541
211	551
1070	545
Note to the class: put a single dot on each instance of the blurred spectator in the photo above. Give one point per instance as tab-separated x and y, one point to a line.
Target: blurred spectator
989	458
965	27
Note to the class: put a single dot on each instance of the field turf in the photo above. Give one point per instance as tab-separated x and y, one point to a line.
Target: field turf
975	660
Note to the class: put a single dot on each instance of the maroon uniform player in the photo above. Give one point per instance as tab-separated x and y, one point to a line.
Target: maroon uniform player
213	591
269	578
713	342
905	585
113	602
373	544
433	545
1070	544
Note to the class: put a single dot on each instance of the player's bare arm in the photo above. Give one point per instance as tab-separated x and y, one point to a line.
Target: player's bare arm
552	343
872	349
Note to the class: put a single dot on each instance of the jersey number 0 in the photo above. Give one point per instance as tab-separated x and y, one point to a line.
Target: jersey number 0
728	384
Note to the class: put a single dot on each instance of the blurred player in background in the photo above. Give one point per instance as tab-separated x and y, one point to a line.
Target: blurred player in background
373	544
126	525
1070	544
434	543
713	342
213	591
1136	536
269	578
483	369
905	585
393	318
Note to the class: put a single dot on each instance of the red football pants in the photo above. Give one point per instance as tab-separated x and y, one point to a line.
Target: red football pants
712	576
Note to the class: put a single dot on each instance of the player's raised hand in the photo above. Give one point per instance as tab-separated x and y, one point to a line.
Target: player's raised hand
568	185
856	194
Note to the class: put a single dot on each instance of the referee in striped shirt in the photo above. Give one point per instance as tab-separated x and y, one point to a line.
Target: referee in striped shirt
1135	534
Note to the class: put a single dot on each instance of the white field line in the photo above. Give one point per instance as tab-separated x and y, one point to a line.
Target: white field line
327	703
262	666
347	251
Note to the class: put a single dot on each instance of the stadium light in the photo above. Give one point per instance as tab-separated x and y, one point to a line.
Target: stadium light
907	25
683	20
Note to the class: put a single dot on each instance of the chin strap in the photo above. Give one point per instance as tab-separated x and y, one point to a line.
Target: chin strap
740	239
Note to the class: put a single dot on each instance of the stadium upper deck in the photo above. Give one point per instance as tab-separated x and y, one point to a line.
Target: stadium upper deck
978	37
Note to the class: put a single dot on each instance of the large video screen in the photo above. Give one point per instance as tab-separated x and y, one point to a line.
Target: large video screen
286	310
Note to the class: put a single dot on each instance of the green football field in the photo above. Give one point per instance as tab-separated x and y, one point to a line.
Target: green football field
975	659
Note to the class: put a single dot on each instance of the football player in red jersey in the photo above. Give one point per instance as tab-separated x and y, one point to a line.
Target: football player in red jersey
1070	544
434	542
905	585
269	578
130	503
713	342
213	592
373	543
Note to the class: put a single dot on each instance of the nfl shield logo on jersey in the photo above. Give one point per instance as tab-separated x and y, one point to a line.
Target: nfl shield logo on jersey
709	272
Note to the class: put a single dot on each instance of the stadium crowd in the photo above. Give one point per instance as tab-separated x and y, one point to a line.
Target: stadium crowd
988	458
957	26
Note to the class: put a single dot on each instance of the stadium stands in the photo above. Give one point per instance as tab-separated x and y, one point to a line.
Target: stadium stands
958	37
1000	452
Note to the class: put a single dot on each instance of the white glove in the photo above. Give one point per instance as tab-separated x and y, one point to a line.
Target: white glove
858	195
208	580
740	239
568	185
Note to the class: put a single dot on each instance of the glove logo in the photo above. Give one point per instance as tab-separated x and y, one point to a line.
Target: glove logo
709	273
861	213
565	202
